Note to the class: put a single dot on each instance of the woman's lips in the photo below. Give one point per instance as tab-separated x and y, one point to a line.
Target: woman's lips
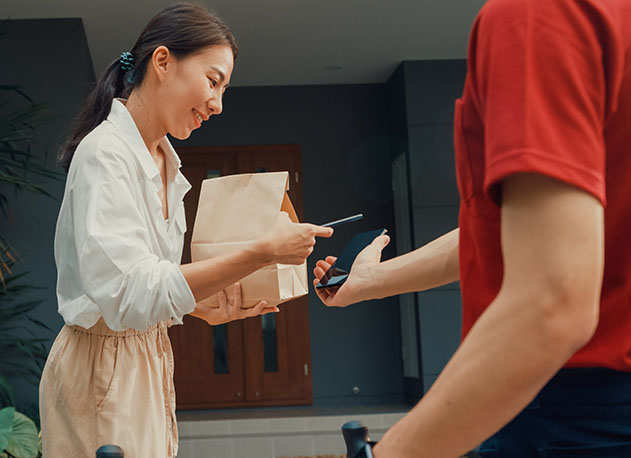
198	118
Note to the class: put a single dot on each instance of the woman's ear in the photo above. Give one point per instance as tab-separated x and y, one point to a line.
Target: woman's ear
161	60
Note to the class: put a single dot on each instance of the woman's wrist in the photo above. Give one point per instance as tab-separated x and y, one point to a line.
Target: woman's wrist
261	252
199	311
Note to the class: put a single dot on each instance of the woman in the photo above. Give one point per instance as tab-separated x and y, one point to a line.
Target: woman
118	243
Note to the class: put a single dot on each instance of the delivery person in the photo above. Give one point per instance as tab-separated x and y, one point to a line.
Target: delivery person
543	248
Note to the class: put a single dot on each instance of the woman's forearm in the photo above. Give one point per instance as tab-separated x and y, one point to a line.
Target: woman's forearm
432	265
210	276
285	243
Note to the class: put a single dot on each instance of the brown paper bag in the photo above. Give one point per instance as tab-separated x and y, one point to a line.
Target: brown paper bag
235	210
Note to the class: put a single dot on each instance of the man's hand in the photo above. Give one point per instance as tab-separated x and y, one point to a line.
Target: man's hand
361	280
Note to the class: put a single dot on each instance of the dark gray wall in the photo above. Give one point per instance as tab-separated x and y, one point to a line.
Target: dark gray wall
343	133
344	136
50	60
431	88
347	135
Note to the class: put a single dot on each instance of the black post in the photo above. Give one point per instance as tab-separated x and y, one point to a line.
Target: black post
110	451
358	444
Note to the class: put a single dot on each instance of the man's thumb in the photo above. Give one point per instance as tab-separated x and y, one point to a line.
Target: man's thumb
381	242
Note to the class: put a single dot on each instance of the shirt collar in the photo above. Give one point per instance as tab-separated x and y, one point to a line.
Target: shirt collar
121	118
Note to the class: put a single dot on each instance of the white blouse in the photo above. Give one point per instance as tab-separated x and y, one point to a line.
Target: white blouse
116	255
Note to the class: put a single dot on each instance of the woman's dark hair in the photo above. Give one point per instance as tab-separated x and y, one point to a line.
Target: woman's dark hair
184	28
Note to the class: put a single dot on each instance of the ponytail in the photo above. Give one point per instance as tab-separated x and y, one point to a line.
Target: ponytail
184	28
95	110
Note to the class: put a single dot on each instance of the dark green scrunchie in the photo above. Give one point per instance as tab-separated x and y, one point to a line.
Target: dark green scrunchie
127	61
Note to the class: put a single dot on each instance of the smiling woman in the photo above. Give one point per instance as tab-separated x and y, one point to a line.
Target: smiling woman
179	31
191	88
119	238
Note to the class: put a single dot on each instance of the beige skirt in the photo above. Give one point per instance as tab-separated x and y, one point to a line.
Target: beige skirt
105	387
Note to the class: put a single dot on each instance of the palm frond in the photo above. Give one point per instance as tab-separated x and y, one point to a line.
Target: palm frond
22	337
17	90
19	167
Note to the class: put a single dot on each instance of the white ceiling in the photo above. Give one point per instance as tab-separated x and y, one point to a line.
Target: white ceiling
288	42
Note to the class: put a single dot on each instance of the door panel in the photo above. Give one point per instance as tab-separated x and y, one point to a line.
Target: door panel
199	379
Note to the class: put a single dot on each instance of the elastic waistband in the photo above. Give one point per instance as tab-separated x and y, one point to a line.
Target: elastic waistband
577	392
588	376
101	329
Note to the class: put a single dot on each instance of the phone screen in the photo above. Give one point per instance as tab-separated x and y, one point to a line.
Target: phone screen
338	273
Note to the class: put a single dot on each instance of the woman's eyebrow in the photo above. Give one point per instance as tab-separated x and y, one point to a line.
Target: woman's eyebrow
221	75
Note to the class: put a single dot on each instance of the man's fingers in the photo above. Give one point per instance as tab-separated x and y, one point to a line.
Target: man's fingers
381	242
377	246
325	294
383	239
319	272
322	293
331	260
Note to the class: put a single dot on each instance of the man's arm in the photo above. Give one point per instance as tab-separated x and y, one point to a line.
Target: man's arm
547	308
429	266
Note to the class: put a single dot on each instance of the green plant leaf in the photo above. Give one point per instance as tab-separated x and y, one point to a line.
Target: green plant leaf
39	323
16	89
23	442
6	426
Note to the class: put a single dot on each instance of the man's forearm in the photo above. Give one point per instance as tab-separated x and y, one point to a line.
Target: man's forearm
508	356
434	264
546	309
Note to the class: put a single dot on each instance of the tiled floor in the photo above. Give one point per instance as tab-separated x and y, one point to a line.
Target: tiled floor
277	432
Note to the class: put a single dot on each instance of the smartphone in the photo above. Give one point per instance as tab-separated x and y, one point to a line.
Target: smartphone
338	273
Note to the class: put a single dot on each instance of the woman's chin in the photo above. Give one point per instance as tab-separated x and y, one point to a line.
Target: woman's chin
182	134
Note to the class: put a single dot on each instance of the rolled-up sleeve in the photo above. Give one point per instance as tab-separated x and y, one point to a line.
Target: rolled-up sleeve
132	286
545	90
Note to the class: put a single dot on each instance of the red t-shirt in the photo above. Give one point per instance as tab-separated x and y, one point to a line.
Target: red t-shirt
548	91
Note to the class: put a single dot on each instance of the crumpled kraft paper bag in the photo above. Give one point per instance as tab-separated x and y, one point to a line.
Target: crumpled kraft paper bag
235	210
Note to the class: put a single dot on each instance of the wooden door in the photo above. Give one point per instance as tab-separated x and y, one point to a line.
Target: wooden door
258	361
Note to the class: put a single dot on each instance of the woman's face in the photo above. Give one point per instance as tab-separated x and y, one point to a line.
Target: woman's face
193	88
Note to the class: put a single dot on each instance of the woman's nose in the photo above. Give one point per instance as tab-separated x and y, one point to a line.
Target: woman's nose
215	105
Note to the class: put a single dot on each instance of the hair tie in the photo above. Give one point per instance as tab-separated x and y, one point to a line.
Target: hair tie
126	61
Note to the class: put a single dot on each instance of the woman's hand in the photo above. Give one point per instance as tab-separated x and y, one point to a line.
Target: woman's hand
291	243
227	312
360	281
